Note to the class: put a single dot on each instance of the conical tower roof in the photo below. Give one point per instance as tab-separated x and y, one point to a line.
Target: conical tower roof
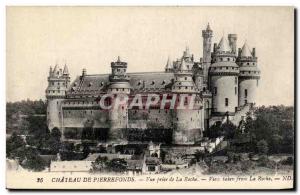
56	69
224	45
208	27
66	71
169	65
246	51
183	65
186	53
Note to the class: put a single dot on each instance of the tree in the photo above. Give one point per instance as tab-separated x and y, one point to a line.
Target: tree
275	125
117	165
33	160
55	133
100	164
199	155
262	147
14	143
228	129
214	131
53	142
162	155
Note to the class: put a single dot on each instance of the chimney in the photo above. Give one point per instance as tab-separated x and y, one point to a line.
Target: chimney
253	52
83	72
215	47
232	38
240	52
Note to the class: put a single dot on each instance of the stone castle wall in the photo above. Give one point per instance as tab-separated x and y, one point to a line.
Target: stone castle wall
226	87
54	113
188	125
250	85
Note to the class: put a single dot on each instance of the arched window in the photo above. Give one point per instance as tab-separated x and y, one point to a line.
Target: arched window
226	101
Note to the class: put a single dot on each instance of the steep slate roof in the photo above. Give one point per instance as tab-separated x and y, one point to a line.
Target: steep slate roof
139	82
246	51
224	46
183	65
169	64
66	71
208	27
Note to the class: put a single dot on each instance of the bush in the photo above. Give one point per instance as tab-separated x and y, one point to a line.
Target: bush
247	165
217	167
265	162
117	165
100	164
33	160
262	147
230	156
288	161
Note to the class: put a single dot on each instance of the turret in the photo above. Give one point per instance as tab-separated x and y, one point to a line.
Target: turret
207	35
169	66
119	86
232	38
224	79
187	121
249	75
183	76
58	83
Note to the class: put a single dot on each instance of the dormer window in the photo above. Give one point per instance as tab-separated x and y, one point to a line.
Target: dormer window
164	82
140	82
90	84
153	82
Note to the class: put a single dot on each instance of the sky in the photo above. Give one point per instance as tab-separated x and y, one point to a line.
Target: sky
92	37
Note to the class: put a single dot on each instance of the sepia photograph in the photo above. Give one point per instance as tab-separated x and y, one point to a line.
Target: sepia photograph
150	98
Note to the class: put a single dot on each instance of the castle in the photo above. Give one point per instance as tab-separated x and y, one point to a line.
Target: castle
223	83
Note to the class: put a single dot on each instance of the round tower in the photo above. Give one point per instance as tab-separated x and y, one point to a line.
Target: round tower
224	79
186	120
58	83
207	35
249	75
119	88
